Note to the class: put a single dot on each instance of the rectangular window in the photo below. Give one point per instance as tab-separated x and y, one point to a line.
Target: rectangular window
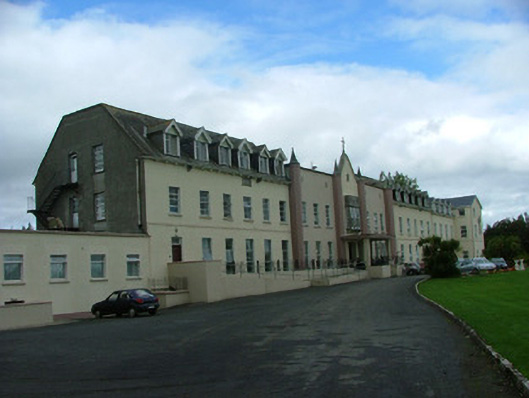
328	215
171	146
99	161
263	165
402	253
133	265
58	267
247	202
382	227
244	160
408	225
207	254
279	168
202	151
72	163
13	267
282	211
74	211
330	246
225	155
174	200
284	252
99	206
266	210
401	230
268	255
461	212
316	214
204	203
353	218
318	253
306	252
368	222
422	228
226	205
97	266
415	230
411	253
375	222
428	228
250	265
435	228
304	212
229	251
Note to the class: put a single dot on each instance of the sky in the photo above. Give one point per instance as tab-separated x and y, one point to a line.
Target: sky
436	90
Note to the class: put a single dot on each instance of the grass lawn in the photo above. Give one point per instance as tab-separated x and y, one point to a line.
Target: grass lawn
495	305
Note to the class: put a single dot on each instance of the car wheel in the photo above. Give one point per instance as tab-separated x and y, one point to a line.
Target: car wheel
98	314
475	271
132	313
152	312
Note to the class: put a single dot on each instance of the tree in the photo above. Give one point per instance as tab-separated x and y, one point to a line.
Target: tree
508	238
440	256
506	246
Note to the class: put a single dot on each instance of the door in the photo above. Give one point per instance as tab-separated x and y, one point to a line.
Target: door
176	249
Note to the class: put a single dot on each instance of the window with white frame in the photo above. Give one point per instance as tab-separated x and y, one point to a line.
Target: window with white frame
304	212
411	252
133	265
268	254
415	230
201	151
72	163
99	206
368	222
99	161
58	265
266	209
247	207
250	262
207	254
375	222
330	247
279	167
230	259
97	266
408	225
422	228
401	230
328	215
226	205
13	264
402	259
171	144
225	155
244	160
284	252
318	253
382	226
282	211
204	203
174	200
428	228
263	164
316	210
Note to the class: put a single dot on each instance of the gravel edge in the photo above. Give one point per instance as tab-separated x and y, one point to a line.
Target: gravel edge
521	382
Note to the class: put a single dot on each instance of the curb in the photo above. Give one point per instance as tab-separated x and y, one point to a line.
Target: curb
521	382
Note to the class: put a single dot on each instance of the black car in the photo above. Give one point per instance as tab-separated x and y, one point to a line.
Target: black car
129	302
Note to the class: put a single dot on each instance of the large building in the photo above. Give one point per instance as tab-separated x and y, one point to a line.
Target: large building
197	195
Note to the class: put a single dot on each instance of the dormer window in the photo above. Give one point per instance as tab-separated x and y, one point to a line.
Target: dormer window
201	145
279	167
244	160
224	148
171	144
263	164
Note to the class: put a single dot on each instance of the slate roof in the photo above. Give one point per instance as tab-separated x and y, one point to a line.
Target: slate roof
137	126
462	201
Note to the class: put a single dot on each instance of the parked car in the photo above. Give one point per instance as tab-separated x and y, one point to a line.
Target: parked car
466	266
483	264
500	263
412	268
129	302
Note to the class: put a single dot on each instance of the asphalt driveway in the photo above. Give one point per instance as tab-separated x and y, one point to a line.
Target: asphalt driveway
367	339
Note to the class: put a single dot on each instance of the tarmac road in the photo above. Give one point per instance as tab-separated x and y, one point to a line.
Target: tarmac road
367	339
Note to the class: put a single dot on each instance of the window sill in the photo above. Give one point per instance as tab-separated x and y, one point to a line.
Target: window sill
175	214
284	223
267	222
249	220
13	283
98	279
205	217
317	226
228	218
59	281
134	278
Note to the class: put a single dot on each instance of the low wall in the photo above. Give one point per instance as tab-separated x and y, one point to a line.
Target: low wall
207	281
169	298
331	280
379	271
23	315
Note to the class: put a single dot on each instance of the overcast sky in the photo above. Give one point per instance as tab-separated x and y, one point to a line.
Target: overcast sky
438	90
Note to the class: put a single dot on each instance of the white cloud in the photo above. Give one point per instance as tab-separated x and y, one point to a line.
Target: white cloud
454	137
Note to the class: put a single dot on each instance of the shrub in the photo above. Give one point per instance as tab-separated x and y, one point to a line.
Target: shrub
440	256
